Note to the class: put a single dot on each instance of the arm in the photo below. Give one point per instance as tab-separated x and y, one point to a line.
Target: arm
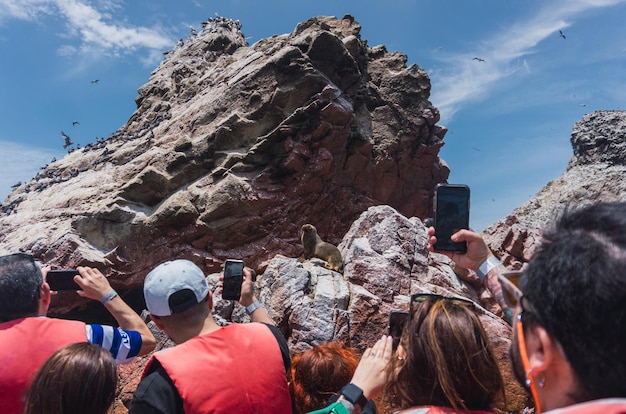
369	377
95	286
476	257
247	298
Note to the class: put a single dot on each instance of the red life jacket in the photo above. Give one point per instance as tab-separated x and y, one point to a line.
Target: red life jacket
603	406
236	369
440	410
25	344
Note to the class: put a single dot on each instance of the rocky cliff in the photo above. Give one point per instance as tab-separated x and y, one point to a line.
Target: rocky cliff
232	148
596	172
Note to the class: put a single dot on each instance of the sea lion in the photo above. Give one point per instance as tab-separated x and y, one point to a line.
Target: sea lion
314	246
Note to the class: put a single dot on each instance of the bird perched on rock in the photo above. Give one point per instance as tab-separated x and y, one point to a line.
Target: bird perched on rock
68	140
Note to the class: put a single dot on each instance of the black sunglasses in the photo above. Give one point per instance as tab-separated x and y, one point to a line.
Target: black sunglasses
419	298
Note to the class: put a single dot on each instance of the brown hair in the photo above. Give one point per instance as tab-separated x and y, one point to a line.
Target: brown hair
78	378
318	373
449	361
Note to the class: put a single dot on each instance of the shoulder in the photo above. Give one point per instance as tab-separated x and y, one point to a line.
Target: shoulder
156	393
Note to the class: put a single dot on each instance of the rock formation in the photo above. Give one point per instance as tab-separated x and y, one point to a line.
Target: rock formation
596	172
385	260
232	148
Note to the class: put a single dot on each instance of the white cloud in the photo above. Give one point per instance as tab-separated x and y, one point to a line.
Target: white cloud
20	164
97	29
465	80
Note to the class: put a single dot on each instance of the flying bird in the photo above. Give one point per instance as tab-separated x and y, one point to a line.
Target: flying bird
68	140
74	123
478	59
562	34
95	81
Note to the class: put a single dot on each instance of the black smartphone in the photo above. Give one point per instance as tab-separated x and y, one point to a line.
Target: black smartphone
62	279
397	321
451	214
233	278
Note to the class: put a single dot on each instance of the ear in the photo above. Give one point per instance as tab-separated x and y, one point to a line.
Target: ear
543	351
400	351
44	298
157	321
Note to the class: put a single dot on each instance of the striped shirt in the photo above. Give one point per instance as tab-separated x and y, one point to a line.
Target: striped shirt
124	345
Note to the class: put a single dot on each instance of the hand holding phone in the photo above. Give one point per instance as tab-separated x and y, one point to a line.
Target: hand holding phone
62	280
233	278
451	211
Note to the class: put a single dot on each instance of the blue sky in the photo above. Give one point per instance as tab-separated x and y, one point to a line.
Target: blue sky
509	117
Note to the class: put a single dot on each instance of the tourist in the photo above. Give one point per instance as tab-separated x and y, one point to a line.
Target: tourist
570	315
79	378
28	337
239	368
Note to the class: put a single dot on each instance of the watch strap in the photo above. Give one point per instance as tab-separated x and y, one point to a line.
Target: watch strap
487	266
252	307
354	394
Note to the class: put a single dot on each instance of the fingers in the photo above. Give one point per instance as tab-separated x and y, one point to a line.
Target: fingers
370	373
44	271
92	282
247	275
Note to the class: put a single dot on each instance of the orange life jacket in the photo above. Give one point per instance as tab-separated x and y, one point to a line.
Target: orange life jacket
25	344
236	369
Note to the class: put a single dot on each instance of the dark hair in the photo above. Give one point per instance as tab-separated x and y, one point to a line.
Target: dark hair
190	317
449	361
318	373
576	284
77	379
20	280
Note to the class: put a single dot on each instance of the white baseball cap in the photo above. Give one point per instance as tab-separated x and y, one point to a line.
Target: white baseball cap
173	287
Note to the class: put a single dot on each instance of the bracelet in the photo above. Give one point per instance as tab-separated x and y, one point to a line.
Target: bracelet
108	296
487	266
252	307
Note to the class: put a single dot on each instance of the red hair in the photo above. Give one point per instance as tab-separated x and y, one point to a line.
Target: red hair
318	373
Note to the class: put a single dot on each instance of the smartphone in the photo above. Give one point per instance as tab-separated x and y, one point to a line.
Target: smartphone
62	279
451	214
233	278
397	321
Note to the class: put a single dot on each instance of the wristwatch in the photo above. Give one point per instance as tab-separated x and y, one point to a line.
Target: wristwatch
354	394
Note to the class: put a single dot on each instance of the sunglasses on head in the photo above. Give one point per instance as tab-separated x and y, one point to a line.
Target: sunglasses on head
419	298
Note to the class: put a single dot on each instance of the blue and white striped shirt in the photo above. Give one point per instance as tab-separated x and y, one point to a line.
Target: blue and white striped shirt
124	345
